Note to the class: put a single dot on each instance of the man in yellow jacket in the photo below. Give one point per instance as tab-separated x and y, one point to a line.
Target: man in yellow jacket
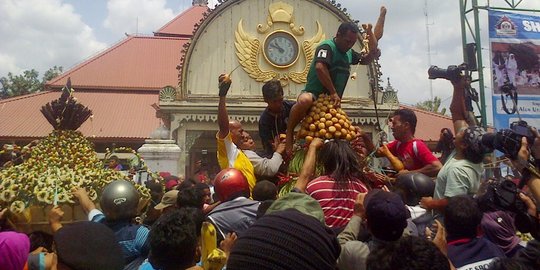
230	138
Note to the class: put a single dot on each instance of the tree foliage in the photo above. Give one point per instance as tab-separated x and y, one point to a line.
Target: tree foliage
431	106
26	83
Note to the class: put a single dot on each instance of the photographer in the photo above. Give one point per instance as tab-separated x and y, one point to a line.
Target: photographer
445	145
527	258
461	173
523	155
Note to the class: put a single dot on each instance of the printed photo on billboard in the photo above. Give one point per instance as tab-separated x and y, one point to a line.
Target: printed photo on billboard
516	64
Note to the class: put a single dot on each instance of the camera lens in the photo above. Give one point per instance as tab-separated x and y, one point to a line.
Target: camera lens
489	140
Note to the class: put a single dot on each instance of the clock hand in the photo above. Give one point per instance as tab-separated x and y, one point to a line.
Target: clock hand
281	50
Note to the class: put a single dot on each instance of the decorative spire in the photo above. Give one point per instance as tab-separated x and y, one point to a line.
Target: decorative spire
200	3
389	86
390	94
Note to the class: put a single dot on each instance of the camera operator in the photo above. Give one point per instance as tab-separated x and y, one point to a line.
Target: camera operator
445	145
462	171
527	258
521	162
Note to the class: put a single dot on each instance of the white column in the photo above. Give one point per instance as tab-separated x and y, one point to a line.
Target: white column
161	155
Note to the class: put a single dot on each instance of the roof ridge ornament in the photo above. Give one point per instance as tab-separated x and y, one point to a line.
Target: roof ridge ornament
280	12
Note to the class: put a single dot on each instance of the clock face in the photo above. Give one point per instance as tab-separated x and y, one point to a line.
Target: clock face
281	49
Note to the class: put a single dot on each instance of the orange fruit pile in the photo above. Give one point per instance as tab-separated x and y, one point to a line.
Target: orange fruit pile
326	121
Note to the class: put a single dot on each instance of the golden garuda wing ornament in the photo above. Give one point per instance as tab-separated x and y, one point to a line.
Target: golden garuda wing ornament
308	46
247	52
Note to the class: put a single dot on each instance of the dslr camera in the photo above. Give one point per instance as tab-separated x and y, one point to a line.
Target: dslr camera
451	73
508	141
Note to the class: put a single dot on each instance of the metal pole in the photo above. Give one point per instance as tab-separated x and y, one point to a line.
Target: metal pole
479	61
462	13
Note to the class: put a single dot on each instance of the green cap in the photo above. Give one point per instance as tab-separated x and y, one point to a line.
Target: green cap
299	201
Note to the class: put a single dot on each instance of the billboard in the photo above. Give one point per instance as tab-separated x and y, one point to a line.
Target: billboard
515	53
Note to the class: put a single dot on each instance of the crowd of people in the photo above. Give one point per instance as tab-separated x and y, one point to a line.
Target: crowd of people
334	221
429	215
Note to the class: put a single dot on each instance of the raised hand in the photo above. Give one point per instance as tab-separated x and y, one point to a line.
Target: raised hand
370	50
279	145
316	142
79	193
440	237
359	209
224	84
55	217
56	214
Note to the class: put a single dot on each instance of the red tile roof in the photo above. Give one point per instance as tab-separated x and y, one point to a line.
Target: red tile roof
183	24
135	63
119	83
429	124
123	115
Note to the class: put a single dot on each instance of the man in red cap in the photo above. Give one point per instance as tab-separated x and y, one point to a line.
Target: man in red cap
236	212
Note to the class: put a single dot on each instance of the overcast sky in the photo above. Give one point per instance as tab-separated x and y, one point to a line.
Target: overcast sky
40	34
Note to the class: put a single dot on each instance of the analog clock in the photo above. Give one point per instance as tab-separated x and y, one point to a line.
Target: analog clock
281	49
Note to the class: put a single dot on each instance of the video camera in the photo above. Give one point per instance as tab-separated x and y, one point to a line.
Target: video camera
504	196
451	73
508	141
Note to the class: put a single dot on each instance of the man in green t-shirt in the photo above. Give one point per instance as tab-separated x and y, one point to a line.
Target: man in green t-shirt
330	69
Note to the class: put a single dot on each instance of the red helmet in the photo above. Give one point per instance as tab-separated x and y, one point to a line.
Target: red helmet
230	182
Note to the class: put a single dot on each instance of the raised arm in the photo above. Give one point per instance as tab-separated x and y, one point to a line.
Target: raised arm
379	26
81	195
309	165
223	117
55	218
457	107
